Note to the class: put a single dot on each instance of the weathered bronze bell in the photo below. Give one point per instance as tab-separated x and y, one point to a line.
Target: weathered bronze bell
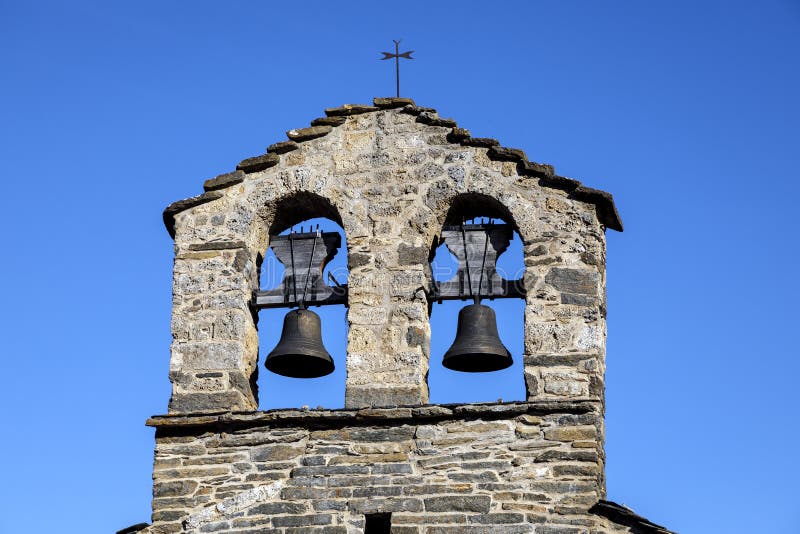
477	347
300	352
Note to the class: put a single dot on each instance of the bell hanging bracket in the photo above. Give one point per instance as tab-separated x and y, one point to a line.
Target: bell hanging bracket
304	256
477	247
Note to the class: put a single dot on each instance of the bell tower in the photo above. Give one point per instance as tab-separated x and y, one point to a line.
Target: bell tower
400	181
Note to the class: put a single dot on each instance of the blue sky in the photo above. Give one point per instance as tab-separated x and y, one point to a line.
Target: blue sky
686	111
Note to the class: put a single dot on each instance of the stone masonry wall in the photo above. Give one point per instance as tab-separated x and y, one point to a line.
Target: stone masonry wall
392	174
501	468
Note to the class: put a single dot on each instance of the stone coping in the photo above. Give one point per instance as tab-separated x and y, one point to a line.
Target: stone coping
604	202
362	416
622	515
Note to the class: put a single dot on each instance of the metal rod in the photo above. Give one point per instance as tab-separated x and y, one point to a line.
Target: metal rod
397	65
294	273
466	259
483	262
308	271
397	55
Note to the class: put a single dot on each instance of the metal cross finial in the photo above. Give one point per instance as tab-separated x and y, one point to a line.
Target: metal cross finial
397	55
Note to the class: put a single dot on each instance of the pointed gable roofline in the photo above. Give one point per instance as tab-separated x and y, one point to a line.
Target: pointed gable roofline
604	202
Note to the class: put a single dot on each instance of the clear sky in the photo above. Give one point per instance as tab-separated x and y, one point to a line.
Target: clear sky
687	111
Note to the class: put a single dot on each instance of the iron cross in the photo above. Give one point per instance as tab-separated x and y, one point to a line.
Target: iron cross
397	55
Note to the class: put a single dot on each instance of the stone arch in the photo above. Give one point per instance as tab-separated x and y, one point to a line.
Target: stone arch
465	207
285	211
300	206
471	204
490	198
276	217
288	208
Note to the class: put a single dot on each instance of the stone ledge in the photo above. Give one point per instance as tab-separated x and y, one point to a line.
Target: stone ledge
329	121
432	120
216	245
392	102
134	528
416	110
306	134
604	201
282	147
224	180
393	415
349	109
176	207
258	163
480	142
622	515
501	153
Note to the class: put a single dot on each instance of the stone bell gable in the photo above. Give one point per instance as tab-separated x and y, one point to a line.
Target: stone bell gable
392	175
398	179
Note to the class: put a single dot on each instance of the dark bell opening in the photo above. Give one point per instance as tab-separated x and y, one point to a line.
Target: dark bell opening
378	524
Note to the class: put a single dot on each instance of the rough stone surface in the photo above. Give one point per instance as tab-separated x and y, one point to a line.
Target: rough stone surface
484	142
502	153
393	180
329	121
282	148
392	102
224	180
499	472
258	163
432	119
306	134
349	109
392	175
176	208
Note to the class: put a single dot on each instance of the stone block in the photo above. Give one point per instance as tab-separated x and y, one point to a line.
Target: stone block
392	102
570	433
213	401
306	134
278	452
174	488
458	503
224	180
576	281
566	383
258	163
494	529
273	508
210	355
302	520
349	109
497	518
329	121
411	255
282	147
369	396
569	456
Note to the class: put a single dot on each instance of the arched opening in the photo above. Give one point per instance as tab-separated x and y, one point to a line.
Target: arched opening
478	213
304	219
